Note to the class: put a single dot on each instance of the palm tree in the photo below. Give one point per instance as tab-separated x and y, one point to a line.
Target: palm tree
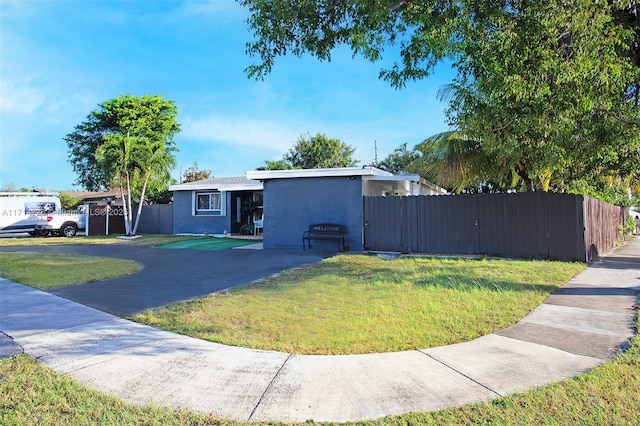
155	158
453	160
459	162
115	157
139	148
399	160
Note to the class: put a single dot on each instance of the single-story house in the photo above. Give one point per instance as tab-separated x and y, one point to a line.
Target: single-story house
216	205
295	199
288	201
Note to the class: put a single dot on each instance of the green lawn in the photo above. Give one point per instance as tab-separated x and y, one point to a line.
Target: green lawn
32	394
364	304
46	271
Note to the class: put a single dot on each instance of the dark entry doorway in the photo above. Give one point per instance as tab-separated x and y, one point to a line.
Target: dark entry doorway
242	209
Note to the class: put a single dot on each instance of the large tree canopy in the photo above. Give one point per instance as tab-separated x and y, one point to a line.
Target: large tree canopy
544	89
315	152
550	89
127	143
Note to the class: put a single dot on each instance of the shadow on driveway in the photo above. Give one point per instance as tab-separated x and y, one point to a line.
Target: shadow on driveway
172	275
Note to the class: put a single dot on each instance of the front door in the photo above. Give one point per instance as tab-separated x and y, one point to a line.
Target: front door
240	215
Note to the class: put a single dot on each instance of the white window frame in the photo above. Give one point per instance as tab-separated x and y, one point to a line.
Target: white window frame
195	211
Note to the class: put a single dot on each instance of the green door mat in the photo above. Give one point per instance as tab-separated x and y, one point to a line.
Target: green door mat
210	243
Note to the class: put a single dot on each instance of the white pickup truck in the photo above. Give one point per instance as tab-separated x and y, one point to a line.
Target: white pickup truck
64	223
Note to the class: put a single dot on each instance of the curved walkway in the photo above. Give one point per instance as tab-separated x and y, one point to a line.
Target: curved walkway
576	329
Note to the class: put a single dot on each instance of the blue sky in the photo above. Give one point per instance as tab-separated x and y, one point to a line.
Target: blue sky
60	59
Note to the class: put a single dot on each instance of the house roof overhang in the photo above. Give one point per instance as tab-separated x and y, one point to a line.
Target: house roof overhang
263	175
366	173
220	184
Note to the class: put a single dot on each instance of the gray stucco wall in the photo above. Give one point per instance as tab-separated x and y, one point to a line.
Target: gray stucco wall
291	205
184	222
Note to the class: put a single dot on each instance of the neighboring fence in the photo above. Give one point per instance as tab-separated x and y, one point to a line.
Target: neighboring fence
155	219
536	225
601	225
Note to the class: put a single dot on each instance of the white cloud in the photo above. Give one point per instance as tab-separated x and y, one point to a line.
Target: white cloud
272	137
13	9
242	131
46	99
18	97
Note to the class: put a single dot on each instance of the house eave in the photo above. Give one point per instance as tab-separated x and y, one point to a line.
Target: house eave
434	187
209	187
394	178
263	175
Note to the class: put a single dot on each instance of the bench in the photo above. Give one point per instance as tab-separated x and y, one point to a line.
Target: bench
325	231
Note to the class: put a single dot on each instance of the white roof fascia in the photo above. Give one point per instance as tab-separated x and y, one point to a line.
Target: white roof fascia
315	173
29	194
434	186
396	178
213	187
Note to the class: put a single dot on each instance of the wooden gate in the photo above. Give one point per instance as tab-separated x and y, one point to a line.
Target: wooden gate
97	220
426	224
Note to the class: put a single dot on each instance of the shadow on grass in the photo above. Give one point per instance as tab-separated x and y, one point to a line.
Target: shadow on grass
458	275
463	282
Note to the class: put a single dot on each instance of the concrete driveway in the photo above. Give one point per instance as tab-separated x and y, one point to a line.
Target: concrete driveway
172	275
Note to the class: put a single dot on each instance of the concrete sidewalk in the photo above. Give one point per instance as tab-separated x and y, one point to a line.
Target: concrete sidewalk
576	329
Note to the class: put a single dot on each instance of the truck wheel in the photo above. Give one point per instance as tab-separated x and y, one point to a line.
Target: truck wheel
42	232
68	229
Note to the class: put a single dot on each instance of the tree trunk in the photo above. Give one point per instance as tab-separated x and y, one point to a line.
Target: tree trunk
124	209
521	169
144	188
127	211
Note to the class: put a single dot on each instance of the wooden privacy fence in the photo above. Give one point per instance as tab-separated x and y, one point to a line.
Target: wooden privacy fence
155	219
536	225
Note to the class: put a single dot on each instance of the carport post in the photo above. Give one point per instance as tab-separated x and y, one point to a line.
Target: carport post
106	212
